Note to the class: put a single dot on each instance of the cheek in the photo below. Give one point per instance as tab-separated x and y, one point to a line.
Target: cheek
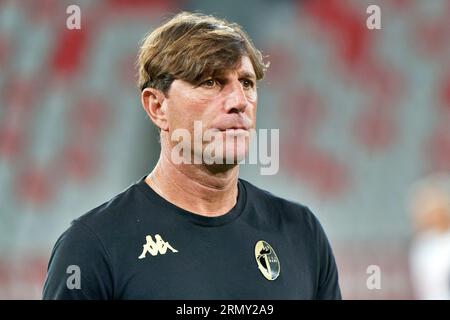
251	110
176	116
183	111
199	108
252	99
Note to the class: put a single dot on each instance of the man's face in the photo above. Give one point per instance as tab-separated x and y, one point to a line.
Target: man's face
225	105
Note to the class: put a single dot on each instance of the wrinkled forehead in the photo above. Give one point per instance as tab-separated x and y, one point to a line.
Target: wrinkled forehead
242	69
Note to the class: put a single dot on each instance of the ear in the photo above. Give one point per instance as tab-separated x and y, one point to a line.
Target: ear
153	102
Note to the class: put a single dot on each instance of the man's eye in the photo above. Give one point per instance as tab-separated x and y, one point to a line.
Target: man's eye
247	84
209	83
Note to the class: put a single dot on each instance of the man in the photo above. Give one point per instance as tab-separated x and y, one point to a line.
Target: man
191	229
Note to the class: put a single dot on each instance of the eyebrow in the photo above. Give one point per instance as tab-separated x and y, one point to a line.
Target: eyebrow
247	74
241	75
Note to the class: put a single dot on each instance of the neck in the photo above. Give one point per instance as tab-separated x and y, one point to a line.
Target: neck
205	190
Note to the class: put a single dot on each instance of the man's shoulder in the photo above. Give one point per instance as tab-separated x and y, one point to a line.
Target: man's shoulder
271	198
288	209
114	211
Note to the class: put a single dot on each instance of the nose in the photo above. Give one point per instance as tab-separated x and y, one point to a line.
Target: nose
236	101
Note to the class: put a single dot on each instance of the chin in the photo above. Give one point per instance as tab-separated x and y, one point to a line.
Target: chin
235	153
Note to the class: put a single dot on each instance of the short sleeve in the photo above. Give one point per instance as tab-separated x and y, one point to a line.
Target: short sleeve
328	282
78	267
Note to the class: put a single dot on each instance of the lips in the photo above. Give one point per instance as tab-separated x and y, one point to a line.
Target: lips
233	124
234	128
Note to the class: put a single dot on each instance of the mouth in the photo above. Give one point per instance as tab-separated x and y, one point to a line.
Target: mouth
234	128
233	125
235	132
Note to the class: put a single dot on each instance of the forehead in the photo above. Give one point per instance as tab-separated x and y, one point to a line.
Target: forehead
243	68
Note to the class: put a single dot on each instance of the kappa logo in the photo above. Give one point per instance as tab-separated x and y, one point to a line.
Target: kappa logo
154	247
267	260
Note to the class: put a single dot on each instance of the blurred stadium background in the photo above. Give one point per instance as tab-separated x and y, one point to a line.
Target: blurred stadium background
362	114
